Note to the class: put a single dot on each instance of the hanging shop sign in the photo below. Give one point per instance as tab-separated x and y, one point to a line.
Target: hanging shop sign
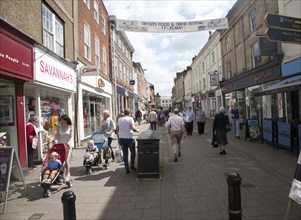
171	27
101	83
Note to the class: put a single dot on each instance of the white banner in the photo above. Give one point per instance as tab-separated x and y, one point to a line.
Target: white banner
172	27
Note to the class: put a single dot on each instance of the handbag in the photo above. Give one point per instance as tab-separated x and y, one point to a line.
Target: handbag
228	127
214	140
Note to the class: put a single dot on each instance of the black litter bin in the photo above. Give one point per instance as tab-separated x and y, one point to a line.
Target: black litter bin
148	154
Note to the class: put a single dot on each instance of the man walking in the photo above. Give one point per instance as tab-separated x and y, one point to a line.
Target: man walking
125	128
176	129
152	118
189	116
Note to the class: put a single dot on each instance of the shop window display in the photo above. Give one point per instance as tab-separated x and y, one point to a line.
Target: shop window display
8	124
52	105
93	107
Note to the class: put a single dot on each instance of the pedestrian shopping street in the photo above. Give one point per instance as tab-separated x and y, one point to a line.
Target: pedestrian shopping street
195	187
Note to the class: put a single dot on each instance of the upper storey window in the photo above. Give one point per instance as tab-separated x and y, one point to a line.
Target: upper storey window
53	31
252	18
87	3
96	12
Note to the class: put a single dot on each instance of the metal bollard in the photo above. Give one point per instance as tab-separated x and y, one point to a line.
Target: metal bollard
234	181
68	200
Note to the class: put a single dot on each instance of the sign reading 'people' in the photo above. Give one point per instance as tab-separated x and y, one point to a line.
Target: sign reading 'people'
171	27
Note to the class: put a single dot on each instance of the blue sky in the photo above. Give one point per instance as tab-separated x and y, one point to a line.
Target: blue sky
165	54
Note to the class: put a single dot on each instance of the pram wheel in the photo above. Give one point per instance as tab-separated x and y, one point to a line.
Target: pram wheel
88	170
47	193
69	184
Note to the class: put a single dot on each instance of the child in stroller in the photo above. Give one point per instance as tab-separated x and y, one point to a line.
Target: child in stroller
57	154
91	157
101	141
52	168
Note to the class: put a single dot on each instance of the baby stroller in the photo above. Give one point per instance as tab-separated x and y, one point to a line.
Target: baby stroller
101	142
58	179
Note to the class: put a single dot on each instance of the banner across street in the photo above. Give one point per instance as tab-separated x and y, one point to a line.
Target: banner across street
172	27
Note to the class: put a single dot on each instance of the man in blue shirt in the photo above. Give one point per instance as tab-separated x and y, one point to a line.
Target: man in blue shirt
189	116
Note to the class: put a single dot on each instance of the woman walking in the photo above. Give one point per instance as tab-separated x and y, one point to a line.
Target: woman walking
108	127
64	136
219	126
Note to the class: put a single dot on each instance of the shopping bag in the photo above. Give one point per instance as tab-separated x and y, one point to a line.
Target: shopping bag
118	155
214	140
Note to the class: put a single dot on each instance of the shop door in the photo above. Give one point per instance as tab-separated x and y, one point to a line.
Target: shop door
93	116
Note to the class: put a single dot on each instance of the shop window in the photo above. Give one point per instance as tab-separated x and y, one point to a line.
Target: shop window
52	106
8	126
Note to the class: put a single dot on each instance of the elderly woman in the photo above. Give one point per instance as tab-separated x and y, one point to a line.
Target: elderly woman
219	126
31	138
108	127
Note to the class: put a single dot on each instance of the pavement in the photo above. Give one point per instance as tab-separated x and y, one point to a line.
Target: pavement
195	187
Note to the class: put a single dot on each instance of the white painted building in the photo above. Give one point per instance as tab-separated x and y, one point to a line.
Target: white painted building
166	102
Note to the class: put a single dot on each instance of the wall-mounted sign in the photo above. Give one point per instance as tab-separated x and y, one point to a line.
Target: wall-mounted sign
51	71
89	71
16	57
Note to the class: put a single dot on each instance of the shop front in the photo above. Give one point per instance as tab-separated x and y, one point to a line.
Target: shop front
49	96
242	89
16	68
124	99
94	96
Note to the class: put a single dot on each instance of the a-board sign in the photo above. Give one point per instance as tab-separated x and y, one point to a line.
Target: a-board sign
5	168
295	192
8	159
253	129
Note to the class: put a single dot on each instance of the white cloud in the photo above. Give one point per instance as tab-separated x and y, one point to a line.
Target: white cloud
163	55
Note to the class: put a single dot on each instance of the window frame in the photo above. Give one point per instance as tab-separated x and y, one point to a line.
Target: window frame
87	3
96	12
104	60
52	36
255	53
87	44
252	19
103	24
97	53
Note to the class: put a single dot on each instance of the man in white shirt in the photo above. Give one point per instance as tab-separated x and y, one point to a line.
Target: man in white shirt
152	118
176	129
125	128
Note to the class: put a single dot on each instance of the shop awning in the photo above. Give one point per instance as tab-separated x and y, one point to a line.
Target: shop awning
285	85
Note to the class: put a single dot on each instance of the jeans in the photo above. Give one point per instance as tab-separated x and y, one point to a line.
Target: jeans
236	126
127	144
109	143
153	125
201	127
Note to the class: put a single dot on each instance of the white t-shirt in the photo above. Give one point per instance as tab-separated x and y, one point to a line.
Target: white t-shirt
64	136
175	122
124	124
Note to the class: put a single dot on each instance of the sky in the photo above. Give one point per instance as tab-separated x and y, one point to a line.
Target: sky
165	54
